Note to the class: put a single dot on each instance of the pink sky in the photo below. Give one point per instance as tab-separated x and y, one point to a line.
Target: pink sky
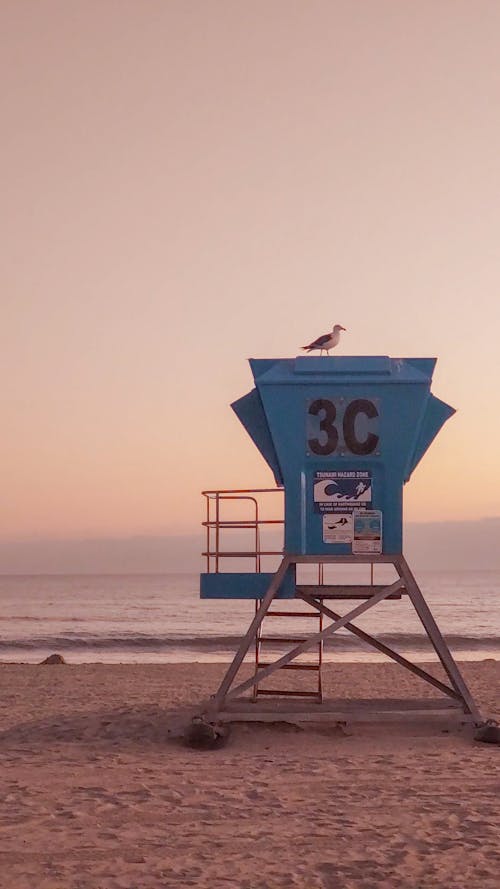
186	184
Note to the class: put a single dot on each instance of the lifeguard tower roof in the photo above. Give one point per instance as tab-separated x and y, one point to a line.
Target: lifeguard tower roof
313	416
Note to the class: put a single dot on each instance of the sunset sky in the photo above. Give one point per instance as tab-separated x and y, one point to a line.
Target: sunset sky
187	184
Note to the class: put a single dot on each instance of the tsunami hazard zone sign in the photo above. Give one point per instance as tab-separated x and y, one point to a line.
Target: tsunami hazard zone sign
342	491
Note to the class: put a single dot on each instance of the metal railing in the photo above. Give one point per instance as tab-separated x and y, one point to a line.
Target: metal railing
217	506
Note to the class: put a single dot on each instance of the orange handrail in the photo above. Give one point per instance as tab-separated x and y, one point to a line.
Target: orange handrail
217	523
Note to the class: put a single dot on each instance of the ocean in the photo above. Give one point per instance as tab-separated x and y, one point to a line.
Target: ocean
160	618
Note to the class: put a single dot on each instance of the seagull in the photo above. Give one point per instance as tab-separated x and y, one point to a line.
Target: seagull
327	341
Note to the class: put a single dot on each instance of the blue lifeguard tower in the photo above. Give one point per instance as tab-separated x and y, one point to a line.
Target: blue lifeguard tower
342	435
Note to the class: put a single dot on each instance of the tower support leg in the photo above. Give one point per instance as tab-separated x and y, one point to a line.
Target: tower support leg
437	640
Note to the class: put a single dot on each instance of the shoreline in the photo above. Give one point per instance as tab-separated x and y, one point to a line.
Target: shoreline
191	657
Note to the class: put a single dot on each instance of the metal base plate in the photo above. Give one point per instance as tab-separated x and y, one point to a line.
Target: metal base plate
341	710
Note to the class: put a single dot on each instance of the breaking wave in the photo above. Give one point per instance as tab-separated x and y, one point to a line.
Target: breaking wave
159	643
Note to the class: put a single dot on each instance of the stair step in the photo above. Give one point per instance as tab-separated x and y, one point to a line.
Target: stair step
346	591
288	694
292	614
282	639
292	666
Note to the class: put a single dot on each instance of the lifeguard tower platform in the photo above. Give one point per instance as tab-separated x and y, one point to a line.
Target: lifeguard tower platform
342	435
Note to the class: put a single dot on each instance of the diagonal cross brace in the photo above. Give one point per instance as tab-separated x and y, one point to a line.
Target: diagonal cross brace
371	640
318	637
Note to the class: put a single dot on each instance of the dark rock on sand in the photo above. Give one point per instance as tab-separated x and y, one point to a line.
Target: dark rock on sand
54	659
205	735
489	733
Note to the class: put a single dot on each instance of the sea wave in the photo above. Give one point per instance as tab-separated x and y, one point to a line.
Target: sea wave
145	642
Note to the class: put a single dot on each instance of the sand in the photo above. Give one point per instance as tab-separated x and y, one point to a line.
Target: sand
96	793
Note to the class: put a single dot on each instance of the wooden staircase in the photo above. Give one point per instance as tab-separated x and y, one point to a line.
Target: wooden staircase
264	641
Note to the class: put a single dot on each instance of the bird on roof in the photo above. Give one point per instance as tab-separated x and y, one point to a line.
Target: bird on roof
327	341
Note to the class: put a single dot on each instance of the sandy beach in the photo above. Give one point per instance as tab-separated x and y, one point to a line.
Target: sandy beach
98	792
